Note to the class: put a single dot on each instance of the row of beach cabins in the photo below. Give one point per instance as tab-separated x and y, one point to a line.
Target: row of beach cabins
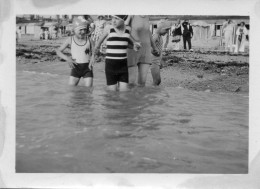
203	29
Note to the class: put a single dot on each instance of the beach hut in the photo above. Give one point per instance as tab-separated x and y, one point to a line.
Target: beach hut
34	29
154	23
30	28
201	30
22	26
50	25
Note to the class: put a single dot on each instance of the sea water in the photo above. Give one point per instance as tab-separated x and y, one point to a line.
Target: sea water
62	129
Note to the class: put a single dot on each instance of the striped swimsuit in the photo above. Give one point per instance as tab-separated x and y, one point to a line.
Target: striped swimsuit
116	56
117	45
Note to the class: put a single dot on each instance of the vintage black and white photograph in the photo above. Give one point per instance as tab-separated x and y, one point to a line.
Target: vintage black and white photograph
132	94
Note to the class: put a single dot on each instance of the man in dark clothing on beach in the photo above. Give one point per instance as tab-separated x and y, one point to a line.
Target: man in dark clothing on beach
187	34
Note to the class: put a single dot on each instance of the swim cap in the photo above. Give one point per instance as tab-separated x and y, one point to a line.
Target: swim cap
122	17
80	23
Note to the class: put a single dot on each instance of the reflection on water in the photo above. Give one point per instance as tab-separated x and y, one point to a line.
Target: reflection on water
145	130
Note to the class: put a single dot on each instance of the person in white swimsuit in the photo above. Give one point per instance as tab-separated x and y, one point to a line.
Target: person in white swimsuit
81	49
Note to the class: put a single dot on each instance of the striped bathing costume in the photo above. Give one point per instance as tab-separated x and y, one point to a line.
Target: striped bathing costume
116	56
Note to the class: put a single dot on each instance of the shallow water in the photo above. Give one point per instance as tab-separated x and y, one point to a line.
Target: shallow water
62	129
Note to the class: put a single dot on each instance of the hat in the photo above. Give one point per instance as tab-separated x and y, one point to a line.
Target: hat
122	17
164	25
80	23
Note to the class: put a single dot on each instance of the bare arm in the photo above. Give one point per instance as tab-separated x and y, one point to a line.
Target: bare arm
95	50
133	44
60	53
92	59
128	20
167	40
60	50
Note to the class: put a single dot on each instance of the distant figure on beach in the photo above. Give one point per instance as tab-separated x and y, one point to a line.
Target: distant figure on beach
54	33
16	36
117	41
59	33
228	30
46	34
187	34
41	34
162	29
99	28
167	36
176	34
139	62
19	33
81	49
241	34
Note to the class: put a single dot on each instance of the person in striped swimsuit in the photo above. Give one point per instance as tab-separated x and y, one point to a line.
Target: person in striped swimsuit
118	40
162	29
80	45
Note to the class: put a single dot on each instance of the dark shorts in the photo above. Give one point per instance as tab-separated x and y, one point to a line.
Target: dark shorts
81	70
116	71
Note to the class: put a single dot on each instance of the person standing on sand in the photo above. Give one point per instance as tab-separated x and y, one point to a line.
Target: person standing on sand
166	42
46	34
241	34
139	62
162	29
118	38
19	33
176	33
187	34
59	33
81	48
228	29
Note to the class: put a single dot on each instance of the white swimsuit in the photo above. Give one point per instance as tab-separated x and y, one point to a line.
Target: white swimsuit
79	52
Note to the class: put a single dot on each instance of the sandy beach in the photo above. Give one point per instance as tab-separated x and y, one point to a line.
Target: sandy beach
205	69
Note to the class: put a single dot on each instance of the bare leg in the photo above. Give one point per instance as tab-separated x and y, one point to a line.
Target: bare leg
112	87
155	71
142	73
73	81
88	81
132	74
123	86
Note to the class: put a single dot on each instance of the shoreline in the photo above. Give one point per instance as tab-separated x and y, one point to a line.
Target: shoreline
202	70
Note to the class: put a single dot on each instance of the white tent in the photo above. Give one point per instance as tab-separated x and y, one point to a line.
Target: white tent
201	30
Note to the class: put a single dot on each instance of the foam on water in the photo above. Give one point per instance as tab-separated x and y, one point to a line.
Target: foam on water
41	73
